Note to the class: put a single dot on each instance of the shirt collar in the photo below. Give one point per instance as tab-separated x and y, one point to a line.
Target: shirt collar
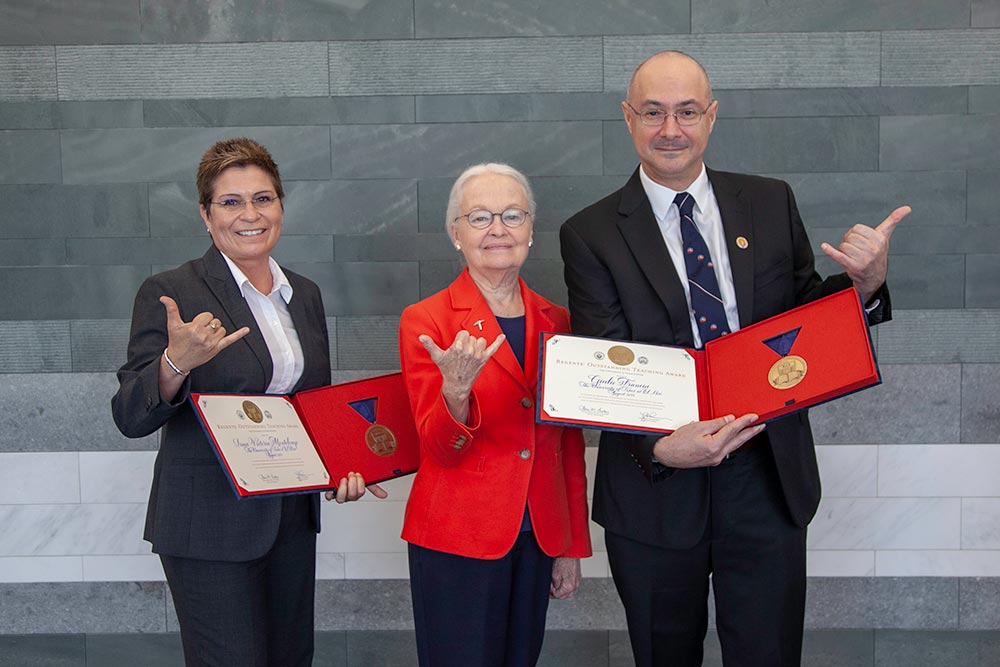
661	198
278	279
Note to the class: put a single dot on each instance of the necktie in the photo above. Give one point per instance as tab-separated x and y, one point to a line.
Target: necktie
706	299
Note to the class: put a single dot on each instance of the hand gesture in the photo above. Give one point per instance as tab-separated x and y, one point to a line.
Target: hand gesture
461	363
352	487
864	253
191	344
706	443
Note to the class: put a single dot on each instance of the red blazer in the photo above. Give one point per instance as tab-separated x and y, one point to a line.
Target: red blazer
469	494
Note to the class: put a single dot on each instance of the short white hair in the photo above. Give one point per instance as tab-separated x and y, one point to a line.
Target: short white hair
455	198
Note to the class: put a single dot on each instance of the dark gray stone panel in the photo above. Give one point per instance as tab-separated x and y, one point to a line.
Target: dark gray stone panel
908	603
978	608
269	111
62	412
985	14
304	249
983	187
168	155
916	404
984	99
436	275
368	342
482	18
103	252
259	69
838	102
441	150
99	346
279	20
916	281
760	60
940	336
790	16
365	648
331	649
838	648
926	143
619	649
147	649
980	408
27	115
30	156
35	347
897	648
60	211
364	604
913	240
110	607
940	57
982	281
32	252
841	200
78	22
518	107
364	288
579	648
27	73
427	67
69	292
595	605
97	114
394	247
40	650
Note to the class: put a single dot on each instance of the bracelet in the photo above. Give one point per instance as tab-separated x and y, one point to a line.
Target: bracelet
171	364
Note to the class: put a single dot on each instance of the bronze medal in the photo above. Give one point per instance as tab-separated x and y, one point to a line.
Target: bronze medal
252	412
621	355
380	440
787	372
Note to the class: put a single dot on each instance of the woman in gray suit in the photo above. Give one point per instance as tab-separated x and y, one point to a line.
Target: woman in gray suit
241	571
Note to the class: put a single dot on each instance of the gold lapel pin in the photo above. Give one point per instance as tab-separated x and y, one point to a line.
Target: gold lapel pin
742	243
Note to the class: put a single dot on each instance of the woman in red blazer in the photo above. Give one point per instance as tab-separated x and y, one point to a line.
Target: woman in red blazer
497	517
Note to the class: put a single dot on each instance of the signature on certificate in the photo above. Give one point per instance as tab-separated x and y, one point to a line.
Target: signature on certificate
593	412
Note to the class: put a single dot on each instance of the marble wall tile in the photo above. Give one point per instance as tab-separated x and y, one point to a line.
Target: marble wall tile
263	111
364	288
985	14
364	604
31	156
789	16
978	609
35	347
848	471
61	211
980	409
115	607
939	470
368	342
877	602
291	20
123	568
895	648
69	292
358	521
982	188
415	67
981	523
981	287
940	57
840	563
940	336
66	530
99	345
570	148
393	565
39	478
62	412
168	155
937	563
115	477
81	22
542	106
28	569
27	73
260	69
917	403
330	565
759	60
886	523
921	143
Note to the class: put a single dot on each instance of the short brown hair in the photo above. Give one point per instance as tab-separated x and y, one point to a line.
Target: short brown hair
236	152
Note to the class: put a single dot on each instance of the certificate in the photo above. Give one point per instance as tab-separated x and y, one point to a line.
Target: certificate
803	357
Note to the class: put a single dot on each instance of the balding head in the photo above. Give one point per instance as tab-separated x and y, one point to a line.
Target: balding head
667	63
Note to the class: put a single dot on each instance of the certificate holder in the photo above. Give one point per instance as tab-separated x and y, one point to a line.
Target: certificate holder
276	445
806	356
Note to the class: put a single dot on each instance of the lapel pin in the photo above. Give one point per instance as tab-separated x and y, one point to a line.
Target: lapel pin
742	243
478	324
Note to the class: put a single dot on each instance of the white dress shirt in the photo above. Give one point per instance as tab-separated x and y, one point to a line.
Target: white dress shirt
708	220
275	322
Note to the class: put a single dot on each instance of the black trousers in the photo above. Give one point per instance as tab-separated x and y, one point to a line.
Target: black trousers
756	558
256	613
470	612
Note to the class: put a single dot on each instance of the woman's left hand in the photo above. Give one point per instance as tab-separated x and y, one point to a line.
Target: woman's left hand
565	578
353	487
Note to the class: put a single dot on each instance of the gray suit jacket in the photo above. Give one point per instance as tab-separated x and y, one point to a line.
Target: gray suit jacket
193	511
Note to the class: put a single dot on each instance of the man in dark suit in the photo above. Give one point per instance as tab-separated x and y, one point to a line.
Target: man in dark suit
724	497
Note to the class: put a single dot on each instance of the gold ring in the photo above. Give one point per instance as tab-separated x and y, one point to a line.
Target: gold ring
213	326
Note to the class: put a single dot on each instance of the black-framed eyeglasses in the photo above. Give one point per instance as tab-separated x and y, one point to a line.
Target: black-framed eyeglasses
481	218
655	116
234	204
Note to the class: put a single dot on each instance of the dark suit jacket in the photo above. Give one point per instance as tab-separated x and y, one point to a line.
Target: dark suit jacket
193	511
622	284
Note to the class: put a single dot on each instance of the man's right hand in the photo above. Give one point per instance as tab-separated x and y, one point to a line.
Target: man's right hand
707	443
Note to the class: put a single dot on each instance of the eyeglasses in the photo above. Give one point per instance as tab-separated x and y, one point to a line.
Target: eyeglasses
481	218
655	117
234	205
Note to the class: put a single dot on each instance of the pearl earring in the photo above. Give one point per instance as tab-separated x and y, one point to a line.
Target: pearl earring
458	246
531	243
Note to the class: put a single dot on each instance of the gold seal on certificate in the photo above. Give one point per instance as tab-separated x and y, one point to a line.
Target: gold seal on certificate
787	372
252	412
380	440
621	355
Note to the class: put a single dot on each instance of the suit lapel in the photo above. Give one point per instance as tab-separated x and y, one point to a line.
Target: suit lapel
219	279
737	223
